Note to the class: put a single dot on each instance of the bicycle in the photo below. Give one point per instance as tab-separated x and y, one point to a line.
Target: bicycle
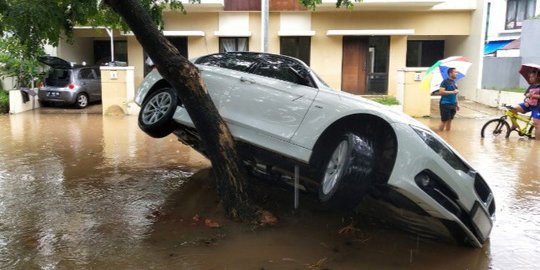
499	126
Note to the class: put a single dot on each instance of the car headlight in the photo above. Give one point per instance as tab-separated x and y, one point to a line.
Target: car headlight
441	149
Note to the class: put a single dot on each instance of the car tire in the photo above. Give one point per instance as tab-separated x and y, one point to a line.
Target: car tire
157	110
81	101
43	103
347	169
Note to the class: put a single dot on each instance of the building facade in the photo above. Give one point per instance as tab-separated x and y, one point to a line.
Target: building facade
504	22
358	50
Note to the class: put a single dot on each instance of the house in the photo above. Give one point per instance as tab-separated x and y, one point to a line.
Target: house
511	40
504	23
358	50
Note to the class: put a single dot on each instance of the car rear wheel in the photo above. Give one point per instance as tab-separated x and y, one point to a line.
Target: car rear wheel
157	111
345	176
81	101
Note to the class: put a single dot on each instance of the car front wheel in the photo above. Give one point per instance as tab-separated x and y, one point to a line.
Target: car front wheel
345	176
157	111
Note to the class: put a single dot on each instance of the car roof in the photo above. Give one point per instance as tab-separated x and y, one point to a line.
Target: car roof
255	55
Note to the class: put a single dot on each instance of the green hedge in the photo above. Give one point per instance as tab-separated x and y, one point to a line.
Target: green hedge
4	101
386	100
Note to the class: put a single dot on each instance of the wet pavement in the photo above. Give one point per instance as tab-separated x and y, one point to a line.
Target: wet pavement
84	191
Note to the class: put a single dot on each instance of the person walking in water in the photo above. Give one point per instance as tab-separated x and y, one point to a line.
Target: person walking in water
449	104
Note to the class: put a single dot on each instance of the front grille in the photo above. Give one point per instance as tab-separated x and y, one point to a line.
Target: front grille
484	192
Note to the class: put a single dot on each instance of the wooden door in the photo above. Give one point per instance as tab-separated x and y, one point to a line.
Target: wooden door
353	70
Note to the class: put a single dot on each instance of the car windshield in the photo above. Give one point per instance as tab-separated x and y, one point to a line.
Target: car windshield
58	77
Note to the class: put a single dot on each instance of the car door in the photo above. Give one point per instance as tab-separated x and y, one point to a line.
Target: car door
86	79
272	99
221	74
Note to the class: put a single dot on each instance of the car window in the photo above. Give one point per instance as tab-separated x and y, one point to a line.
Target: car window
58	77
97	72
284	69
235	61
86	74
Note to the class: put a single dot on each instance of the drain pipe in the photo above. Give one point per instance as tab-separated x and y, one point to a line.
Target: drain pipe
264	25
110	33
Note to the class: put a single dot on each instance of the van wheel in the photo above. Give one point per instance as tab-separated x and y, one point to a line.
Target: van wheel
82	101
157	110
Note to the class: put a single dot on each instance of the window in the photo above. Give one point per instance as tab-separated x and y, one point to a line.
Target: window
102	51
86	74
284	69
517	11
424	53
233	44
298	47
98	73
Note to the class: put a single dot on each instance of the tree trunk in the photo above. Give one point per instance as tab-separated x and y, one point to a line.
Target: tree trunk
186	79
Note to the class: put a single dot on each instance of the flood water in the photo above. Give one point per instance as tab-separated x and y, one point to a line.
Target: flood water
84	191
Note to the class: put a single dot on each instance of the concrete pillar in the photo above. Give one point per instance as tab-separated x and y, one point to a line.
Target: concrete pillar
17	104
416	101
118	90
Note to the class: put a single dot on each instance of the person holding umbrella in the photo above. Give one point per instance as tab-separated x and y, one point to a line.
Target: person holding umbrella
449	104
447	70
531	72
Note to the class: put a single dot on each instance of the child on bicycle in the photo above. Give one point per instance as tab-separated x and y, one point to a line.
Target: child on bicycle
530	104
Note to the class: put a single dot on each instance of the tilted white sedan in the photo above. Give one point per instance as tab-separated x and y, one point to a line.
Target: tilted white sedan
283	115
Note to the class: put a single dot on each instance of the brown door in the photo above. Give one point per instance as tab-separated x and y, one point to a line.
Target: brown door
353	78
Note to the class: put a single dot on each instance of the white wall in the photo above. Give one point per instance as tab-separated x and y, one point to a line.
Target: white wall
81	50
470	47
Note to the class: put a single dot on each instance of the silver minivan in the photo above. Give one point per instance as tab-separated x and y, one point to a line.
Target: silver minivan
69	83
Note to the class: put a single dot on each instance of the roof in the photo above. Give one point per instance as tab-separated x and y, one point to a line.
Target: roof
516	44
495	45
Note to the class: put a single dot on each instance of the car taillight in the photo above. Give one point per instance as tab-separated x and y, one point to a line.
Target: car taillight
71	86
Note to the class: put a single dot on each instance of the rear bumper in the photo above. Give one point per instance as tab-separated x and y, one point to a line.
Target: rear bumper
63	96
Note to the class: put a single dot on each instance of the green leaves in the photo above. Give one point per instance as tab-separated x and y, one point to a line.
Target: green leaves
26	26
19	62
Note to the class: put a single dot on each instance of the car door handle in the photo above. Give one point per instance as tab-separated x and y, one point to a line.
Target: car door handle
244	79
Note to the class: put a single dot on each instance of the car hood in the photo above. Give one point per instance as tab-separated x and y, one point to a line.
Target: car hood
54	62
376	108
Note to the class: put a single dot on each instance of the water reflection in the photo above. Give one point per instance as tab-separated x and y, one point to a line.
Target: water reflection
77	187
86	191
512	169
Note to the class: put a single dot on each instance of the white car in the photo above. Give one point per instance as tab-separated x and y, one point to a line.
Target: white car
283	115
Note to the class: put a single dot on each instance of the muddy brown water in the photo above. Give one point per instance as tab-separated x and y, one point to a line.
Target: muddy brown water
83	191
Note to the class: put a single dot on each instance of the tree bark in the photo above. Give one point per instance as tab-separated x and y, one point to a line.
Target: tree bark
183	76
